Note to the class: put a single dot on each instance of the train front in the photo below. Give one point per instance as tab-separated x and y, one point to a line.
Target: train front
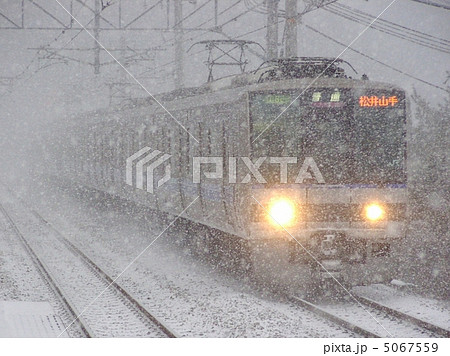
330	200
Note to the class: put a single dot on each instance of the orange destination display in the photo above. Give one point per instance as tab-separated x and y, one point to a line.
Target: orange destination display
378	101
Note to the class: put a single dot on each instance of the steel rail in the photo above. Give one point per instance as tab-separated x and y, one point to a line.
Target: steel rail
111	282
137	306
46	275
335	319
398	314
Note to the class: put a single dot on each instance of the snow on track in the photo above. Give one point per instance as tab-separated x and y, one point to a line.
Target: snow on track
190	295
106	311
379	322
334	318
423	324
429	310
193	297
24	279
29	319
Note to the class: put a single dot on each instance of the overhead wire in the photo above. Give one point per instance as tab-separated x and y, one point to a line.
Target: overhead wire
63	31
283	20
432	3
228	21
168	63
440	45
207	30
419	33
251	8
376	60
424	36
220	13
356	51
198	27
192	13
389	29
282	13
231	20
36	56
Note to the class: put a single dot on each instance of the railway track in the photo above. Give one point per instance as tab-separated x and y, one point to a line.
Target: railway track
332	317
382	321
389	317
398	314
43	271
96	304
111	282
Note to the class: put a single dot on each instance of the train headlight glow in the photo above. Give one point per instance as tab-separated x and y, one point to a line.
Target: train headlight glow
374	212
281	212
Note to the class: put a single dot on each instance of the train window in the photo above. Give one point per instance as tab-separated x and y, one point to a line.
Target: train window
208	141
186	152
179	170
194	147
129	145
119	145
135	137
169	141
141	134
110	154
224	145
348	144
302	131
161	142
380	145
201	147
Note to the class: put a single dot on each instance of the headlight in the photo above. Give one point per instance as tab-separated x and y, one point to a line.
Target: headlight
281	212
374	212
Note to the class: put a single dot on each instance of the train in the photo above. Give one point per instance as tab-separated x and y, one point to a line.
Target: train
295	171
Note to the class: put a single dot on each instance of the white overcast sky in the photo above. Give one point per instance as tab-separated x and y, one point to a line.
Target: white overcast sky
59	89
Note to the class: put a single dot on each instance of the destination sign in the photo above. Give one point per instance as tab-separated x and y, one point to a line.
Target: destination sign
278	99
389	99
316	97
378	101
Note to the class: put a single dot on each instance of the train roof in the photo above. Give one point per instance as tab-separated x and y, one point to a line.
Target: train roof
231	87
255	81
244	82
276	75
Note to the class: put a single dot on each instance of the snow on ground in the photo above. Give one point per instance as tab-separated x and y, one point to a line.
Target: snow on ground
19	278
436	312
191	297
111	314
376	321
20	282
194	298
29	319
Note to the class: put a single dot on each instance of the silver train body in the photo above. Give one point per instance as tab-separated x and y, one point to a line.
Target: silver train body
343	224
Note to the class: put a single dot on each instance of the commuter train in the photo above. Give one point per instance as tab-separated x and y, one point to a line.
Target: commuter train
297	171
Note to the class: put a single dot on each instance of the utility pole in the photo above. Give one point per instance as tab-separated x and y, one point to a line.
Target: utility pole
178	27
291	28
136	20
272	29
96	36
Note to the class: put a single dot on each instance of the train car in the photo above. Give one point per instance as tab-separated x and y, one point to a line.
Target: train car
299	169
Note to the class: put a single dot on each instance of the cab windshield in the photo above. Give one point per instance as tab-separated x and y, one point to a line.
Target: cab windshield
348	142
